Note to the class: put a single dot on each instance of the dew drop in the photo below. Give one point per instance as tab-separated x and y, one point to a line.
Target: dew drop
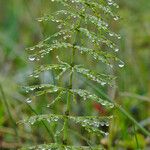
106	133
119	37
59	26
116	18
48	120
110	3
48	106
31	58
102	123
36	76
39	20
55	89
111	66
111	34
116	49
28	100
32	88
107	124
55	119
27	91
111	106
117	6
121	64
103	83
32	48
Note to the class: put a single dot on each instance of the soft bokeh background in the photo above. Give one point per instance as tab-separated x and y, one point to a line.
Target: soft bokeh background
19	30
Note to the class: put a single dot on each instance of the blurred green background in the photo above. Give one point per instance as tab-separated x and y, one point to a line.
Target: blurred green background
19	30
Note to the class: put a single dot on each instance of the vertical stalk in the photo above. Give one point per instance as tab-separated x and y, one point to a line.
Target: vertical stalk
67	112
136	139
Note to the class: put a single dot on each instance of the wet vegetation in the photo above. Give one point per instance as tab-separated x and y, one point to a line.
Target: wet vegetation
74	74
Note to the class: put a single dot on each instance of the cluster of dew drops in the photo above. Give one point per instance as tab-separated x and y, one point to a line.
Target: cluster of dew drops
121	63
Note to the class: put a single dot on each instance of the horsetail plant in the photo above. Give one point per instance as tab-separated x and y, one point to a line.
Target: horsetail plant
82	32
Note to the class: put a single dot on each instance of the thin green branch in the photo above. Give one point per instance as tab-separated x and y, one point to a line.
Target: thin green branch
136	96
82	137
9	112
44	124
72	63
136	139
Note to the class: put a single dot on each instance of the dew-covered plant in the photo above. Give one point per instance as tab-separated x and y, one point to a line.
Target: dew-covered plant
83	34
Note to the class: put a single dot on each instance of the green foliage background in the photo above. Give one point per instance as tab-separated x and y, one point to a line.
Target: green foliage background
19	29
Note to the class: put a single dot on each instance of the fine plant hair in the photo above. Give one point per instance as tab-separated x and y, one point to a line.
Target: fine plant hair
83	32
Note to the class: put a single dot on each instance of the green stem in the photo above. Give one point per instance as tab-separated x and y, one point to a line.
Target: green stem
120	108
8	111
67	112
66	119
136	139
82	137
132	119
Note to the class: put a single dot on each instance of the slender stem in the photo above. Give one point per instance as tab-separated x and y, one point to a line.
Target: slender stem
136	96
67	112
82	137
132	119
8	111
136	139
120	108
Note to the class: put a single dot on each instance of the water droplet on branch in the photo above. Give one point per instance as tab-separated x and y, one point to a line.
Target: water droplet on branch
28	100
31	58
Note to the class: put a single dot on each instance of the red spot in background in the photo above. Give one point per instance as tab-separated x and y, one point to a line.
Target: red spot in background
99	108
